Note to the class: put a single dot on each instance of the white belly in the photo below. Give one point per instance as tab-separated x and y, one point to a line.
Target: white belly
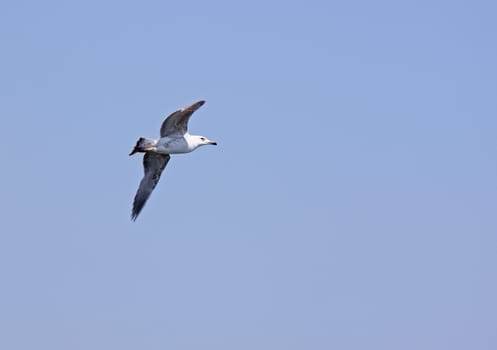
169	145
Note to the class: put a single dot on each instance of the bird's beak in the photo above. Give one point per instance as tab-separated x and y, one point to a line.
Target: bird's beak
212	143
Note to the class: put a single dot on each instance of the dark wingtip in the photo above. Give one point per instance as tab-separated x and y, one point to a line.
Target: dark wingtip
195	106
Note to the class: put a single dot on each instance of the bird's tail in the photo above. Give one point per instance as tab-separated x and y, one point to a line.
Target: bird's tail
144	145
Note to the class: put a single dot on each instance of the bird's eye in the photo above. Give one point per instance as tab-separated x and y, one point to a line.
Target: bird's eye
202	138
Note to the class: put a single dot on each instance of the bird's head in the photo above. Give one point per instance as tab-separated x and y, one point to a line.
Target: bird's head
202	140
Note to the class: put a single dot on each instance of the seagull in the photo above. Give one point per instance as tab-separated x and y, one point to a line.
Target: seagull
174	139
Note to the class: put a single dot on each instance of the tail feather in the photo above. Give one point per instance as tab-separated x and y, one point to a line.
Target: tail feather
143	145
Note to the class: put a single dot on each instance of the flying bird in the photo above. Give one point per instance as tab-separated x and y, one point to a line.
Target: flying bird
174	138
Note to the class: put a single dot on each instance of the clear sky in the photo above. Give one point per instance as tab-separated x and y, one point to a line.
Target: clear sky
350	203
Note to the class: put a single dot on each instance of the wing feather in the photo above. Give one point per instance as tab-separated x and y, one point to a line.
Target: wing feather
177	122
153	165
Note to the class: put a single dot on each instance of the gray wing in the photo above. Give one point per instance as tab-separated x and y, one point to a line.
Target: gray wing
153	164
177	122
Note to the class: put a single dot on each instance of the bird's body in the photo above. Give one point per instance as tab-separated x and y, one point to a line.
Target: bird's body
174	139
176	145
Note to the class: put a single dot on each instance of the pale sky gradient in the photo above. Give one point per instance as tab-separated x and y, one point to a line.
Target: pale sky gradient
350	203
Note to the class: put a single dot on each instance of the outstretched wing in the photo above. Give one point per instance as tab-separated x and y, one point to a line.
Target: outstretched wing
177	122
153	164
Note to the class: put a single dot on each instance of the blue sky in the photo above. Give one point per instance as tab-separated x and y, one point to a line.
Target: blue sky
350	202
